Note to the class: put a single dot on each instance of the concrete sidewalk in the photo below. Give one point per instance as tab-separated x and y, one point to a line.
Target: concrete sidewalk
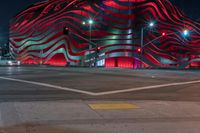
79	117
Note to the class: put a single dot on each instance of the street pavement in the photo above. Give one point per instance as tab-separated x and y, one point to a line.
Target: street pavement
96	81
78	117
36	99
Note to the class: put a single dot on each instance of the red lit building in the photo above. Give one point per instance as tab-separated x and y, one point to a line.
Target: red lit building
110	33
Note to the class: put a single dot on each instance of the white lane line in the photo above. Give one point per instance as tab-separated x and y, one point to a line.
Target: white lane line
148	87
101	93
48	85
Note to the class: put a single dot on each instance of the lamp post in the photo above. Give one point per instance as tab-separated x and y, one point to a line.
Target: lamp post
90	46
150	25
90	23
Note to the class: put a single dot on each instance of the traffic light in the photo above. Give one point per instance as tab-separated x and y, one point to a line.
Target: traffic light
66	31
98	49
139	50
163	34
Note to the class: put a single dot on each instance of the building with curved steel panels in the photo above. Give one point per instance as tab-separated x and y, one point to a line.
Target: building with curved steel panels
110	33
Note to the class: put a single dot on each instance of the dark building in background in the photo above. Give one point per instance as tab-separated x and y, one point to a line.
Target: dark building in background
110	33
4	49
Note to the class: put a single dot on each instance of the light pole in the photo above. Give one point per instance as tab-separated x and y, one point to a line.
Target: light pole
90	46
90	23
150	25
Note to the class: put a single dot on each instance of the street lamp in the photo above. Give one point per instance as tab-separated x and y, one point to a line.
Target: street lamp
185	32
90	46
150	25
90	23
84	23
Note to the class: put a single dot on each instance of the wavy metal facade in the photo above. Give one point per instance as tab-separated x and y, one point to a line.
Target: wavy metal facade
36	34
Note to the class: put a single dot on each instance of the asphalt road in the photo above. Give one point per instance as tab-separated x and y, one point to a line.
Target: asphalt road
43	99
43	83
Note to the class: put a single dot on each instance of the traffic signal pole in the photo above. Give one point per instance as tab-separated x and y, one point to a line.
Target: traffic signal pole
91	44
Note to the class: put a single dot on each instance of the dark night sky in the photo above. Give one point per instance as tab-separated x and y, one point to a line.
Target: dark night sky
190	7
9	8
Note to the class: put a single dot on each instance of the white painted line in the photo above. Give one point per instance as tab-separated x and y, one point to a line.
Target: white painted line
48	85
148	87
101	93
